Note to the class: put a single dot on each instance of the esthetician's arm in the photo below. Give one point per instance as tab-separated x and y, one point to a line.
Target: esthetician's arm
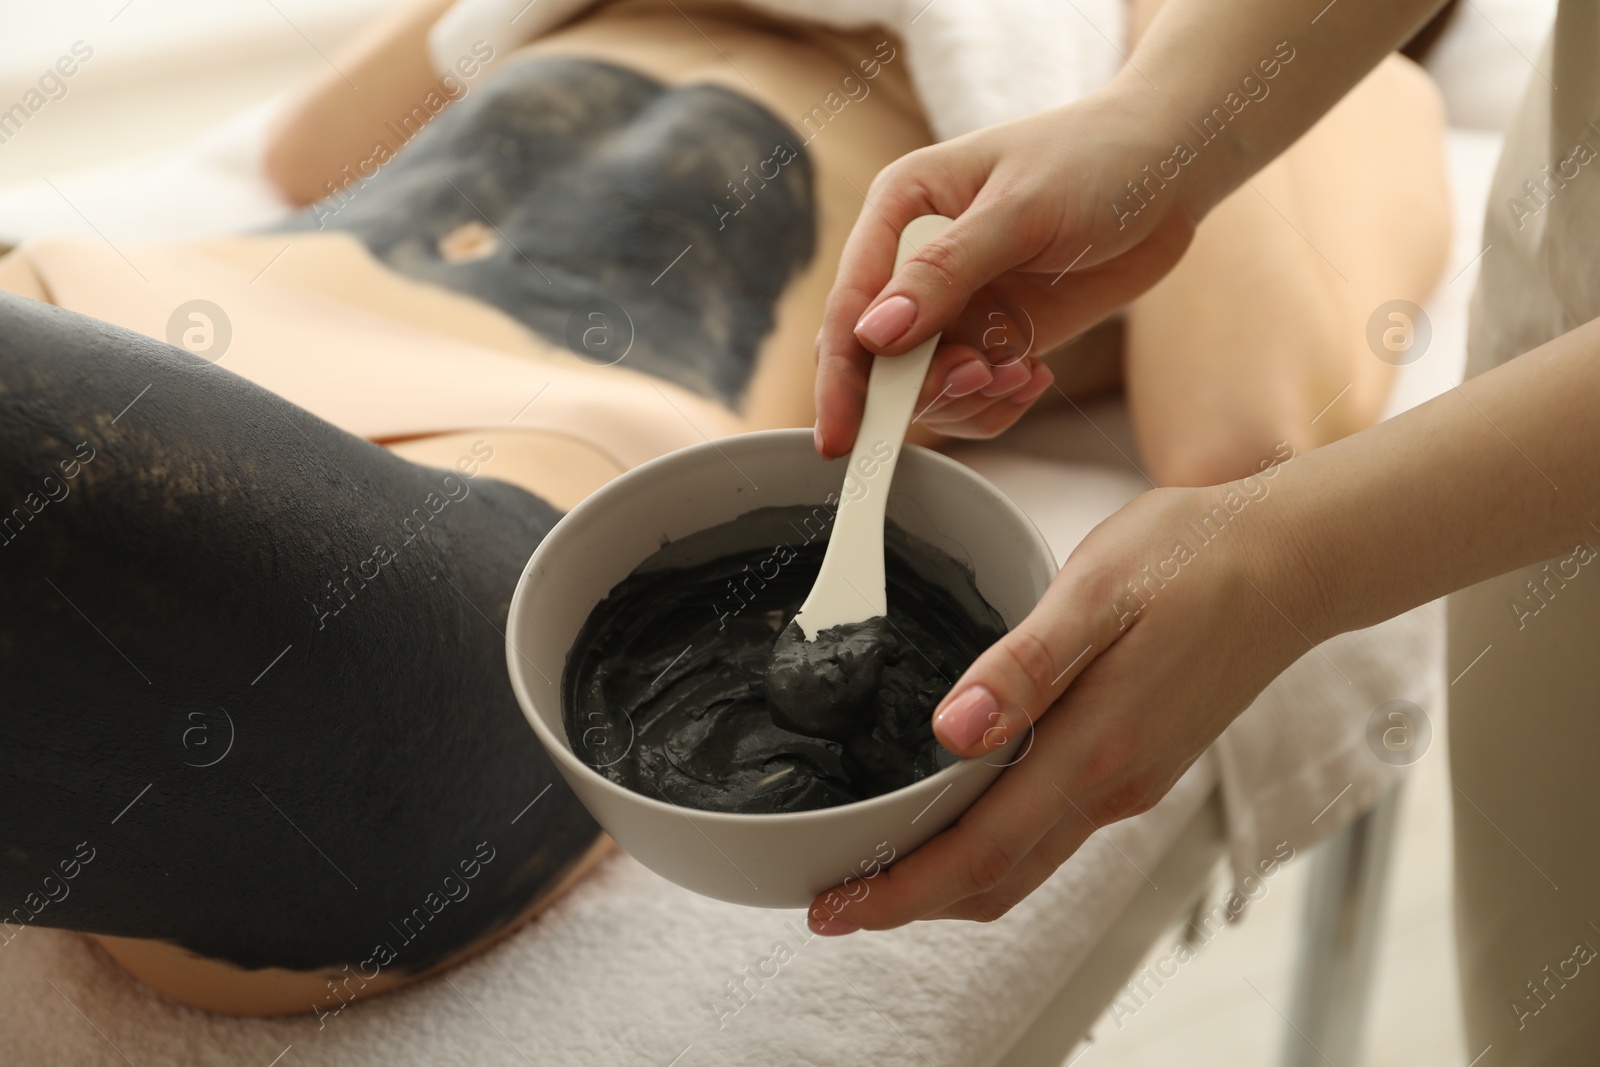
1127	689
1051	193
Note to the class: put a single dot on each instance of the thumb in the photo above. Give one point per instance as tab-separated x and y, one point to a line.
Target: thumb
1016	680
931	288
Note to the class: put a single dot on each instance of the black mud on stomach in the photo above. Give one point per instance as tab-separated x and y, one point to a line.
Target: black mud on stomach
562	190
664	691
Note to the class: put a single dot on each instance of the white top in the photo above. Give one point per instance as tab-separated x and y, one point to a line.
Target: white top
1540	276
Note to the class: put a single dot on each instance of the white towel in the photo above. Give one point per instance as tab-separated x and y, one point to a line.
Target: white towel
972	64
629	970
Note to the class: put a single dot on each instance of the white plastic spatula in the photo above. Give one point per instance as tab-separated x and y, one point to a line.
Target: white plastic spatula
825	665
850	586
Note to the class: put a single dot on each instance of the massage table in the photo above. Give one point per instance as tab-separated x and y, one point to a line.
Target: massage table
630	969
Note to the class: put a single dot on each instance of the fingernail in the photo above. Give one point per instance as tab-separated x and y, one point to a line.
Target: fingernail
1008	377
816	437
887	321
831	927
968	378
965	719
1031	392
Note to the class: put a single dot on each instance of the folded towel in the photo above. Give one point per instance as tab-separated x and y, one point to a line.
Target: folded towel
972	64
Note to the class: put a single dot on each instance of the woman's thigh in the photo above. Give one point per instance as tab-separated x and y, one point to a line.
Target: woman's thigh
256	703
1259	334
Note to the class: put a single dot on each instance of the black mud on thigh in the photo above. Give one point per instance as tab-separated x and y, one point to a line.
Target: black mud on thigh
254	698
603	210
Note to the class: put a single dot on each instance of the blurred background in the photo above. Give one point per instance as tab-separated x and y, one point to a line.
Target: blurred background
163	71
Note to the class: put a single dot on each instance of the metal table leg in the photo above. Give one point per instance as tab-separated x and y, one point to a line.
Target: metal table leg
1339	940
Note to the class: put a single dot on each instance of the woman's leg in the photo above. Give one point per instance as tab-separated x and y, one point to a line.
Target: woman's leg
1263	324
256	703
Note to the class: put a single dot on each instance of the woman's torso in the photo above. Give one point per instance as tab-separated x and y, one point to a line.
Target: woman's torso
717	247
675	178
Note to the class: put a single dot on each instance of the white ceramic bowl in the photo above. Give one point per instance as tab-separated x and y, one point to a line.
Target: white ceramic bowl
773	861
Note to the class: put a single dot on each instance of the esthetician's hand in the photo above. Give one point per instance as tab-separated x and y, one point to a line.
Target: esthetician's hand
1173	614
1037	253
1125	691
1063	217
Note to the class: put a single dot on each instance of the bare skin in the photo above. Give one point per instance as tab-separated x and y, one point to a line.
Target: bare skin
1262	323
1020	242
1260	327
1269	306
